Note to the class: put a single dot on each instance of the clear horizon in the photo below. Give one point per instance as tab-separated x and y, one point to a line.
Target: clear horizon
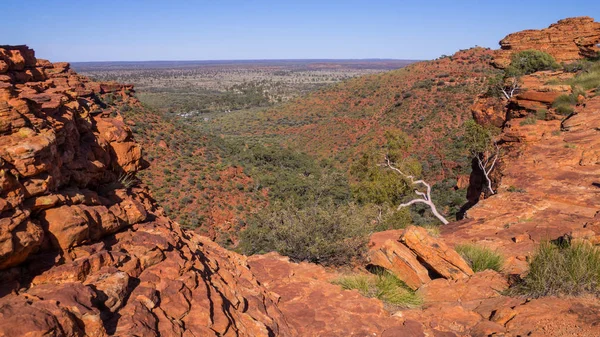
144	31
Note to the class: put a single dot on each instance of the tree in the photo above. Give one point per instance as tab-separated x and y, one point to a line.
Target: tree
508	82
483	148
506	86
425	196
530	61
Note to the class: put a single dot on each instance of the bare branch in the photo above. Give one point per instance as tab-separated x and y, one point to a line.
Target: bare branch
426	196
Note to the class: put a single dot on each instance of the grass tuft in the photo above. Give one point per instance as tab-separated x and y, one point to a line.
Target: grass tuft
588	78
383	286
480	258
564	104
568	269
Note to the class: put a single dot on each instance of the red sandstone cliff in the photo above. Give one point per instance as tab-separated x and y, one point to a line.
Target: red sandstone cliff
83	253
567	40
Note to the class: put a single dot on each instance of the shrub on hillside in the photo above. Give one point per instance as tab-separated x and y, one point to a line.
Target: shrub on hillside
588	78
480	258
529	61
564	104
323	233
566	269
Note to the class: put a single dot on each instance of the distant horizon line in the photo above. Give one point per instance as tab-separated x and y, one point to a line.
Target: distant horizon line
254	60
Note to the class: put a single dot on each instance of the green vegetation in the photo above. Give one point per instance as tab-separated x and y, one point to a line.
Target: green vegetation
479	138
541	114
562	269
529	61
565	104
383	286
588	77
530	120
322	233
198	100
505	83
380	185
289	174
480	258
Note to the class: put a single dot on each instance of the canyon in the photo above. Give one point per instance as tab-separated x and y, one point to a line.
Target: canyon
85	250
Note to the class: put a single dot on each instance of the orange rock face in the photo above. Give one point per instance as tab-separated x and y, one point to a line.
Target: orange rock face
82	252
411	255
567	40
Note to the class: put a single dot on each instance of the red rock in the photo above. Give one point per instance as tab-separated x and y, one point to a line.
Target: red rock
503	315
489	111
386	251
19	238
567	40
483	285
435	253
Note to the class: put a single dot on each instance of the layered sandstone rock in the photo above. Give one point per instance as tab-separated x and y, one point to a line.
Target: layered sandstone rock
83	251
413	256
567	40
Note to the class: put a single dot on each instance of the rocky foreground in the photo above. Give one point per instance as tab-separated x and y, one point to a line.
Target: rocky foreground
85	251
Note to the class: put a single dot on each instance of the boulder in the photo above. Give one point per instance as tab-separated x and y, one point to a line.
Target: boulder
435	254
386	251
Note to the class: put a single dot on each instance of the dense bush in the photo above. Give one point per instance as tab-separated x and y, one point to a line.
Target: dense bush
529	61
321	233
480	258
384	286
565	269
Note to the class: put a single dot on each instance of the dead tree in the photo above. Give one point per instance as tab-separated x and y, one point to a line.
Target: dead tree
509	87
487	162
425	196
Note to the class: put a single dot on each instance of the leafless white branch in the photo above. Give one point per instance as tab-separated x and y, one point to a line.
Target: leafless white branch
425	196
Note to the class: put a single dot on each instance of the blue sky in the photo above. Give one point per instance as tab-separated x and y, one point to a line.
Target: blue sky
131	30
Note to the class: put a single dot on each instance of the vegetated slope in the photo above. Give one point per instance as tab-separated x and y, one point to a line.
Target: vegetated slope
188	176
429	101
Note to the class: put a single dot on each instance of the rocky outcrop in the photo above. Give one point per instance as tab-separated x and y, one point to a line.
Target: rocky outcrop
537	94
549	186
415	257
57	149
83	249
567	40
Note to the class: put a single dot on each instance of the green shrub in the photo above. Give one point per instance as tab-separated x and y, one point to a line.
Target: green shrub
541	114
529	121
383	286
576	66
480	258
529	61
567	269
588	78
564	104
323	233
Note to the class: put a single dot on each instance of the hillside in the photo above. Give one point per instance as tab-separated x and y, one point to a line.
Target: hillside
428	100
189	177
